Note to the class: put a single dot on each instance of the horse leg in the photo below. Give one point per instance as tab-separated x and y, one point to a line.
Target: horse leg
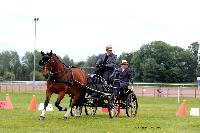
79	103
78	111
46	102
69	110
57	103
67	114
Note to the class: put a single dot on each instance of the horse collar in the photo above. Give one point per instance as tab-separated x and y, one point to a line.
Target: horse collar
60	79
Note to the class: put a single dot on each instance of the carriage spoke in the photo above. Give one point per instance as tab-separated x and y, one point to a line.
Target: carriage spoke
114	105
90	110
131	105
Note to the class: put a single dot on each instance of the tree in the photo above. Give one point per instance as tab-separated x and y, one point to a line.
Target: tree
68	61
28	62
80	64
194	48
125	56
90	63
10	62
1	78
161	62
8	76
38	76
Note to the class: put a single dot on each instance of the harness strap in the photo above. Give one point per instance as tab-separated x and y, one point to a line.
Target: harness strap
70	81
72	75
105	94
64	81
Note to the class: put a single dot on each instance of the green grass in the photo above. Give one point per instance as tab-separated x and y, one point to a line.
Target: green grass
152	113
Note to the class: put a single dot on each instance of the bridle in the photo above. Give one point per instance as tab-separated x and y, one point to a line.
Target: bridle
52	74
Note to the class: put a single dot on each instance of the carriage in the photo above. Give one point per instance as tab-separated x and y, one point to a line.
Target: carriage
111	96
90	91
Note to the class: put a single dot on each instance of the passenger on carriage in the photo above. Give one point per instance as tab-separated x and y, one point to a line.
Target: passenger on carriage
106	63
124	74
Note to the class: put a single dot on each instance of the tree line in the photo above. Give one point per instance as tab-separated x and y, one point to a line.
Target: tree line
153	62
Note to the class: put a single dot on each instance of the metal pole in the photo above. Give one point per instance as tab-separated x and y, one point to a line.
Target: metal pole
35	19
195	92
178	94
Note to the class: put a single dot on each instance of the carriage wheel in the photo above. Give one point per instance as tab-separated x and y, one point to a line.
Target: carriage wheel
90	110
114	106
131	105
73	110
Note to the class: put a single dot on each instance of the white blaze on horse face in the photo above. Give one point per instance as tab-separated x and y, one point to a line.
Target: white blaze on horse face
45	71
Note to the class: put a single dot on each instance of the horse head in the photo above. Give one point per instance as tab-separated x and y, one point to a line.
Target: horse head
47	63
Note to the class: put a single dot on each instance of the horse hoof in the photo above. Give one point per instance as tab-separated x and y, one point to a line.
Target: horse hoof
41	118
77	117
65	118
65	109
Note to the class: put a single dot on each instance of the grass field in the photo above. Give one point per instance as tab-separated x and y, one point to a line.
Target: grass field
154	115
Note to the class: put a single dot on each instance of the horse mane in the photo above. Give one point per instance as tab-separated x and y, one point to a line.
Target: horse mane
64	63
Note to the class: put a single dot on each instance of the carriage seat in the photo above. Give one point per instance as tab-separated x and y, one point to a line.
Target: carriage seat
95	79
116	83
117	86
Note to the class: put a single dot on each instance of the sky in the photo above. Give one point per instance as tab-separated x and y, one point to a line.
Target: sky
82	28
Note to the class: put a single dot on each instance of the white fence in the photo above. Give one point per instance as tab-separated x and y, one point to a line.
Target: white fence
166	90
140	89
22	86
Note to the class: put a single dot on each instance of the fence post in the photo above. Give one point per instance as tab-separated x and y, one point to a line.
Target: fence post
142	91
167	92
178	94
154	92
195	92
181	91
19	88
12	86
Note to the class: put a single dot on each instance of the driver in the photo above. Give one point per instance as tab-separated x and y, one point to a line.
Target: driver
106	63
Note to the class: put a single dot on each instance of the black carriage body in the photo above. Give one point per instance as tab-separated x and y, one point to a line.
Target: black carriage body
98	92
111	96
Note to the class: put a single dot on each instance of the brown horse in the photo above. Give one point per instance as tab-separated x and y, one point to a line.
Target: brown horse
61	80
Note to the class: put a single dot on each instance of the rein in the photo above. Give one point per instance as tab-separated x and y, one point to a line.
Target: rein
62	72
70	81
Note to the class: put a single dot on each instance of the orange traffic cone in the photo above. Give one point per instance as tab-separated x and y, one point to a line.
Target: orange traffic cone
182	109
32	105
2	104
8	104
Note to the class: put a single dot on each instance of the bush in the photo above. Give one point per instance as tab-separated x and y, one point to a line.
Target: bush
8	76
38	76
